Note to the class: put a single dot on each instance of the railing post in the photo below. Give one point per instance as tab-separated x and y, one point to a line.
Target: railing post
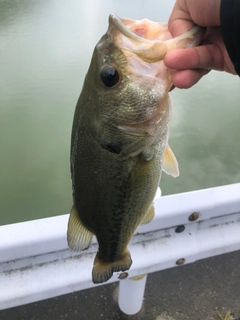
131	292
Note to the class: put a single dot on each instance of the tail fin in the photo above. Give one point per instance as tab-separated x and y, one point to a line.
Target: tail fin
103	271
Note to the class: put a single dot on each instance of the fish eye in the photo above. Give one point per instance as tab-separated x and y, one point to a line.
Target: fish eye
110	76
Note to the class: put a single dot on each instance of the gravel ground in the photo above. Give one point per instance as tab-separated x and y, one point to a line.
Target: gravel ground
191	292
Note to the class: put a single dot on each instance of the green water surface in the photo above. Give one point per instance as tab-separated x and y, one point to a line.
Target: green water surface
45	50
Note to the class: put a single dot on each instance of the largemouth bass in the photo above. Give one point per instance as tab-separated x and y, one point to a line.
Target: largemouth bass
119	141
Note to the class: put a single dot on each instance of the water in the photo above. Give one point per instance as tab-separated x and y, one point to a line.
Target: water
45	50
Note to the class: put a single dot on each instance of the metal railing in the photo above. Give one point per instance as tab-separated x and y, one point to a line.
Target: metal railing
35	262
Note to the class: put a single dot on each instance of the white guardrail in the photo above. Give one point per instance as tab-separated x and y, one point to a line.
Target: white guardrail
35	263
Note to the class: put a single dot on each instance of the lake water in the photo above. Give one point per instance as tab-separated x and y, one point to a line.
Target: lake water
45	50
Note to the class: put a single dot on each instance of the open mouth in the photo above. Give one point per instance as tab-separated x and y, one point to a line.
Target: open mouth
144	38
137	34
151	40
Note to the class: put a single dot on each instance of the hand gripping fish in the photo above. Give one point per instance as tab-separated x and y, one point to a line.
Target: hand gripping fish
119	140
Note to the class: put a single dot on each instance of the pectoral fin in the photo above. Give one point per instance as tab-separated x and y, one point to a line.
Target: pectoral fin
78	236
149	216
170	164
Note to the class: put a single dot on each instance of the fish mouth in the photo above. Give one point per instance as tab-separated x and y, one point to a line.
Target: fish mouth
150	40
144	38
119	24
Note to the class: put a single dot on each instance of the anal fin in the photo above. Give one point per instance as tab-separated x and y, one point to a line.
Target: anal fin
78	236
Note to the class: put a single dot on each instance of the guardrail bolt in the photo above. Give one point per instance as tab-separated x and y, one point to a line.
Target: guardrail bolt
180	261
180	229
194	216
123	275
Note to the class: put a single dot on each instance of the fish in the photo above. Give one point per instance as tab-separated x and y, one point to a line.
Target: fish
119	142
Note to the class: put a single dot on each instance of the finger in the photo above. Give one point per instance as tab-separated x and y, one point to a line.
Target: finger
187	13
203	57
180	19
185	79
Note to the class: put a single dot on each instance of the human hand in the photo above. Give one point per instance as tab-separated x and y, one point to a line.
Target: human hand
191	64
